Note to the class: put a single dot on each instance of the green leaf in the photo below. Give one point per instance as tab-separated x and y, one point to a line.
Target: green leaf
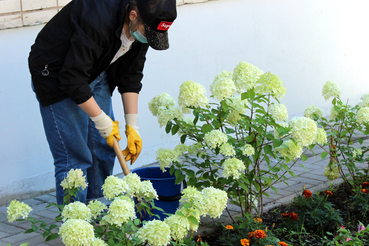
275	189
268	150
304	157
277	143
52	237
206	128
34	228
28	231
111	242
183	138
180	179
250	138
193	220
192	181
257	186
360	140
323	154
243	186
23	244
172	169
175	129
168	127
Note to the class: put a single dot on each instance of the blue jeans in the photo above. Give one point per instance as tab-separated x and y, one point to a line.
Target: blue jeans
76	144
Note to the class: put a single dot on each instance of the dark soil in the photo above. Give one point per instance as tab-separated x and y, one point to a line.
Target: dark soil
340	201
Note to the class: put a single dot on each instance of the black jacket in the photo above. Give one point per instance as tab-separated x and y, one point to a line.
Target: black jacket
76	45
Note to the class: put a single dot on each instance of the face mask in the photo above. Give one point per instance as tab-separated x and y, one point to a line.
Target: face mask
138	36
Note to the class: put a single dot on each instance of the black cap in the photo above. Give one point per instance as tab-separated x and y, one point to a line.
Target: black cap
158	16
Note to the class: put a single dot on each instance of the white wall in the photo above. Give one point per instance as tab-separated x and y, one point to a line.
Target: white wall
305	43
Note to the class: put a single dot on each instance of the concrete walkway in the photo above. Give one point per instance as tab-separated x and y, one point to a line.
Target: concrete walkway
312	177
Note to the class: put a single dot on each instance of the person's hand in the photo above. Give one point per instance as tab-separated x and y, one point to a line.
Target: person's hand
107	128
134	141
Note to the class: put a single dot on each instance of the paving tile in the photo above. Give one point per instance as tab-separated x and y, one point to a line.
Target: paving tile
10	229
4	234
46	198
32	202
21	238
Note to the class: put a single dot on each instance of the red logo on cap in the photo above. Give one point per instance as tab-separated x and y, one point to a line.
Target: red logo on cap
164	25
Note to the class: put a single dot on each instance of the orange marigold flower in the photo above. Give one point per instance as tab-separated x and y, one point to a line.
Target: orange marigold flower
285	215
328	192
307	193
229	227
282	244
251	235
294	216
365	184
258	220
245	242
365	191
259	234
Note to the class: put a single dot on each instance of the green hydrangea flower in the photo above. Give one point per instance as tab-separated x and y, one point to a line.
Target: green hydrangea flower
237	107
146	191
214	201
96	208
289	149
74	179
330	89
279	112
192	94
155	233
76	210
321	136
311	111
17	209
248	150
362	115
269	83
223	86
134	182
76	232
233	167
179	226
166	157
121	210
245	76
114	187
303	130
227	150
215	138
160	103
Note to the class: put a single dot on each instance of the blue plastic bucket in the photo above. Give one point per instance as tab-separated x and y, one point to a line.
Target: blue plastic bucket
169	193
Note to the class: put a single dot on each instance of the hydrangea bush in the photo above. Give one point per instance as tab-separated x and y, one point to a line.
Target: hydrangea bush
97	224
240	139
342	127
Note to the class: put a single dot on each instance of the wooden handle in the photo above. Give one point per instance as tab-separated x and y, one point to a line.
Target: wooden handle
122	160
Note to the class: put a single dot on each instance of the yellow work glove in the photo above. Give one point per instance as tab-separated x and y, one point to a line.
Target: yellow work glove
107	128
134	141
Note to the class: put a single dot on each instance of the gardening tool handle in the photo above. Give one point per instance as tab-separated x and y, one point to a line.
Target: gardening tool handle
122	160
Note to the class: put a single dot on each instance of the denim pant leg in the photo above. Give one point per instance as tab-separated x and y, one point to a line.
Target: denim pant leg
103	156
75	143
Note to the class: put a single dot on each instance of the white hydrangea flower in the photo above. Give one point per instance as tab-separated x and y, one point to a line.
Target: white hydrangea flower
227	150
356	152
179	226
269	83
74	179
245	76
289	149
237	107
192	94
365	100
121	210
215	138
279	112
166	157
98	242
160	102
96	208
311	111
331	171
134	182
321	136
76	232
223	86
330	89
169	114
155	233
76	210
214	201
362	115
303	130
114	186
248	150
233	167
17	209
146	191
